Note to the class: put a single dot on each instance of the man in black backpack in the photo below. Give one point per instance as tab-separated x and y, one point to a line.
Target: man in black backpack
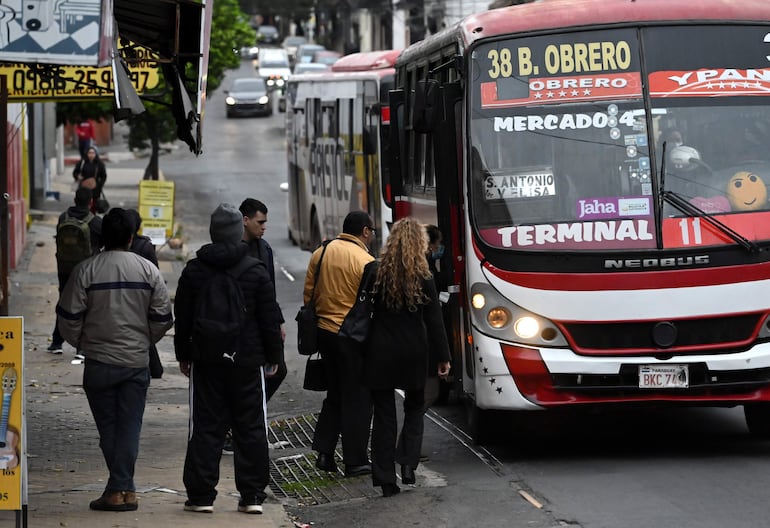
225	354
78	236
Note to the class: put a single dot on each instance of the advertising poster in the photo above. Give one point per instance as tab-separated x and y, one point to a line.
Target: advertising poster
11	413
156	207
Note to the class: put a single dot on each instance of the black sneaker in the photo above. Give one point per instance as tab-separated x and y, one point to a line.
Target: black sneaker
251	506
198	508
55	348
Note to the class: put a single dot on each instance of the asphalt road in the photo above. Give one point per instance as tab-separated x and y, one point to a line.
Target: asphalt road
682	468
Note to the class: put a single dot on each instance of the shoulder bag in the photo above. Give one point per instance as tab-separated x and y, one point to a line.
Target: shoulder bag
359	319
307	320
315	375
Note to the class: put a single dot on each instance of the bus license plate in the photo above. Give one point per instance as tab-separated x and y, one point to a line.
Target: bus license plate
664	377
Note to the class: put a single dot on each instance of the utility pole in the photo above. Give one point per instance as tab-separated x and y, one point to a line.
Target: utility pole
4	234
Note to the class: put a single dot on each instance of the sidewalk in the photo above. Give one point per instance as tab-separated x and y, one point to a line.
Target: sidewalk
65	465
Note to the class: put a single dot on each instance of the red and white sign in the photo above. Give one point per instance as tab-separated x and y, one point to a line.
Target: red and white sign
552	90
695	231
718	82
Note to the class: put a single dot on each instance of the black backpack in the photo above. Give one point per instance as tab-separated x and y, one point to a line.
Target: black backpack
219	315
73	241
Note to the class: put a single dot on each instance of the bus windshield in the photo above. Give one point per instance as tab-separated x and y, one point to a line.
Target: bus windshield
566	156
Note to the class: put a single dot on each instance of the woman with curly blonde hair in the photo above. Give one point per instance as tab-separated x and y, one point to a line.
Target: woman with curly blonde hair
406	326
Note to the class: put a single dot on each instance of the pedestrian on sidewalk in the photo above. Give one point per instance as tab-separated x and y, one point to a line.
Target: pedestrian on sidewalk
227	333
84	130
90	172
113	307
143	246
80	239
407	325
346	410
254	224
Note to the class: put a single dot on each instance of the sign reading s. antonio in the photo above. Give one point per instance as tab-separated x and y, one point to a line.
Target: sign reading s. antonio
563	68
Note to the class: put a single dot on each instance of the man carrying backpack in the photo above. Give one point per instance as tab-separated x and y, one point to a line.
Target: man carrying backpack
227	333
78	236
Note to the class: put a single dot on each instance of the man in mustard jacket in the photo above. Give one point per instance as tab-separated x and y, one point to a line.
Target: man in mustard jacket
347	408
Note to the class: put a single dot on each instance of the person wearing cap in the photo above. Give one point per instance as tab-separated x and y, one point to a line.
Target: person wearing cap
228	393
347	410
114	306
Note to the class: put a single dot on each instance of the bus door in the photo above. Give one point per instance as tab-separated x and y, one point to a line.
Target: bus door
295	136
447	146
371	137
327	154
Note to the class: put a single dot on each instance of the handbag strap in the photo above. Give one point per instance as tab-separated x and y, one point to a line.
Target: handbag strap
318	271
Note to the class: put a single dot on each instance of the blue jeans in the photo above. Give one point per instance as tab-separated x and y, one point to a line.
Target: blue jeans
117	396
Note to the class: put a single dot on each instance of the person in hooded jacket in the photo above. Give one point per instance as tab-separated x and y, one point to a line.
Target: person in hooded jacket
228	393
91	173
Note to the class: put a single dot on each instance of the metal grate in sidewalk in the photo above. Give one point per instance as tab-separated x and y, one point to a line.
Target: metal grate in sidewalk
293	473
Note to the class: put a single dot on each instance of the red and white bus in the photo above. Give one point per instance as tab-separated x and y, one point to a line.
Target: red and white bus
337	136
599	169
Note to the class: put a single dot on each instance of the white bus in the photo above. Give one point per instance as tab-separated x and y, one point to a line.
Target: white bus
337	138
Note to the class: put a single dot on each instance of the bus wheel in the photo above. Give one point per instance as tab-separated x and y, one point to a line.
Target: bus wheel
478	423
315	232
758	419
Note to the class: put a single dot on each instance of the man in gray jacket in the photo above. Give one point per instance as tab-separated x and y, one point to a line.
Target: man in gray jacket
115	306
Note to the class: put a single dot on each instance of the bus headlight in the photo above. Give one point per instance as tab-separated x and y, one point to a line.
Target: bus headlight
229	100
478	301
526	327
270	82
279	82
498	317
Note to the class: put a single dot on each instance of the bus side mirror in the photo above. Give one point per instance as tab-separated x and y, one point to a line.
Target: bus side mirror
427	106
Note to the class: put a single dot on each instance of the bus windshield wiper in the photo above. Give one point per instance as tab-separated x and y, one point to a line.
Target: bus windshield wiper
686	207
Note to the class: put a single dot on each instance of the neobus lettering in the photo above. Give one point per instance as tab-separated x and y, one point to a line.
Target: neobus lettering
722	75
656	262
578	232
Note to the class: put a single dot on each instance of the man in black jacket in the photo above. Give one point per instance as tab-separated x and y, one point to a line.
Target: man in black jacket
227	392
81	210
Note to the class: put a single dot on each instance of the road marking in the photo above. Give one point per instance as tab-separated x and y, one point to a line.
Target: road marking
287	274
531	499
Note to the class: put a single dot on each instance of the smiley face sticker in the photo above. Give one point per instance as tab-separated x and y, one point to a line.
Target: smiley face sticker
746	191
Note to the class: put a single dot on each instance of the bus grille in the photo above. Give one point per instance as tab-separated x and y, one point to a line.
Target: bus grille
694	336
702	382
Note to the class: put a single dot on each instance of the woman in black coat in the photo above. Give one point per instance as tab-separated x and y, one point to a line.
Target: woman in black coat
90	172
407	324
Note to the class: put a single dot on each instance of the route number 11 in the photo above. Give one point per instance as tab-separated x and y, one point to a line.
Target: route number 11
696	232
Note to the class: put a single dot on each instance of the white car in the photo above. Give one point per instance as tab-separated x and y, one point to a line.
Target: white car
273	67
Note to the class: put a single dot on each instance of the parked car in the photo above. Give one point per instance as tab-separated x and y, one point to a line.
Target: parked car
326	57
290	44
248	96
267	35
305	52
273	67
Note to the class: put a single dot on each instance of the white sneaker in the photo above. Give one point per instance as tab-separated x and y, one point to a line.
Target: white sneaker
249	508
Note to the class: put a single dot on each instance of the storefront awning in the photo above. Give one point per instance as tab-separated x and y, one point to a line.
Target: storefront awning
178	31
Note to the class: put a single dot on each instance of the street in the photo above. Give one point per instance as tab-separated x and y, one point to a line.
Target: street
630	468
